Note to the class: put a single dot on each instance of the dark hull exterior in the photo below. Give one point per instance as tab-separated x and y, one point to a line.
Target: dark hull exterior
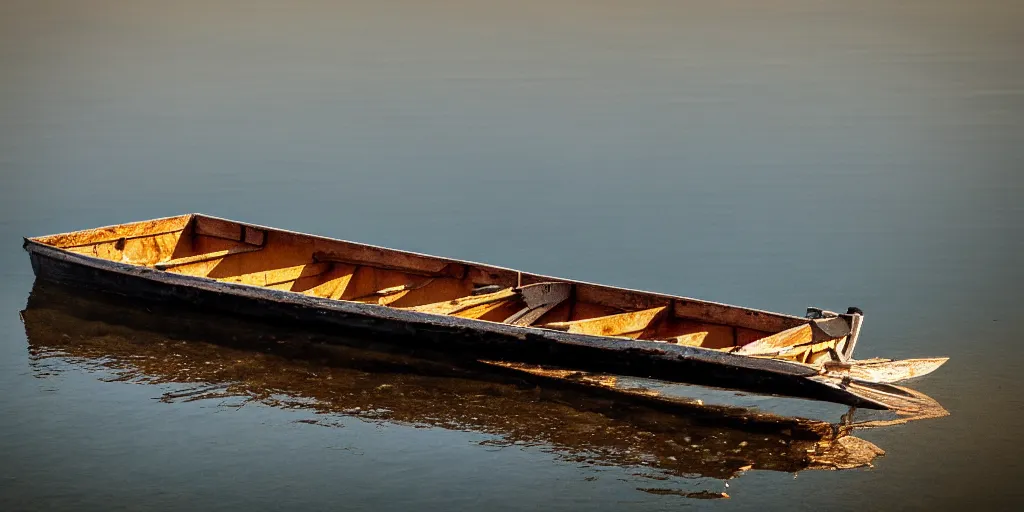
463	337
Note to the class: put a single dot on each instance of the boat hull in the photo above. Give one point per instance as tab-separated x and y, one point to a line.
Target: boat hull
460	336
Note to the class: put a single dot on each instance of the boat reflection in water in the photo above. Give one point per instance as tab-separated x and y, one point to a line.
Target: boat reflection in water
582	418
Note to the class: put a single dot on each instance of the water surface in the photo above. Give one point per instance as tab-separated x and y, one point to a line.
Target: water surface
773	155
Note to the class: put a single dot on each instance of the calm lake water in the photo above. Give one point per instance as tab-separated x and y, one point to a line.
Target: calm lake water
768	154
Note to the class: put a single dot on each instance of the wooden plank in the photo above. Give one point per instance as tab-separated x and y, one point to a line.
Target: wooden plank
886	371
686	308
572	309
193	245
542	294
334	283
560	313
104	250
818	335
139	250
325	285
368	280
811	353
686	331
692	339
228	230
831	327
773	344
279	275
392	260
241	249
384	295
113	233
579	310
534	295
484	275
433	290
734	316
454	306
151	249
624	324
699	334
744	336
527	316
540	299
623	300
424	291
492	312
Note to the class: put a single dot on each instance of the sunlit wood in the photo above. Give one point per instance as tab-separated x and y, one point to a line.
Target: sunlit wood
630	324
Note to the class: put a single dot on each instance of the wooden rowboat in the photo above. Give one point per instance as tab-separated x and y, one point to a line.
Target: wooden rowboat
478	310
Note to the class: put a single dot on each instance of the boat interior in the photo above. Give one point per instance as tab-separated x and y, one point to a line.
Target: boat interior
228	251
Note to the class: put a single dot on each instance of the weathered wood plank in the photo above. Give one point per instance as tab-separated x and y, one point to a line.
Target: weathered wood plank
539	299
114	233
431	290
199	244
369	280
624	324
105	250
392	260
886	371
734	316
799	335
330	285
492	312
228	230
527	316
808	343
138	250
744	336
532	296
280	275
241	249
811	353
542	294
624	300
699	334
457	305
579	310
150	249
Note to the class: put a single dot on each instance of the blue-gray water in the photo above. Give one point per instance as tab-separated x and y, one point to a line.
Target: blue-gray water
769	154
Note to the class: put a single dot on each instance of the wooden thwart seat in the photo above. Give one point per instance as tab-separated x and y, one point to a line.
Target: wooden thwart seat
280	276
769	345
405	263
387	295
531	302
209	256
454	306
630	325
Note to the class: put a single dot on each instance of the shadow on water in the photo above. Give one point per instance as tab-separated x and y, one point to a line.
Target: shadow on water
239	362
